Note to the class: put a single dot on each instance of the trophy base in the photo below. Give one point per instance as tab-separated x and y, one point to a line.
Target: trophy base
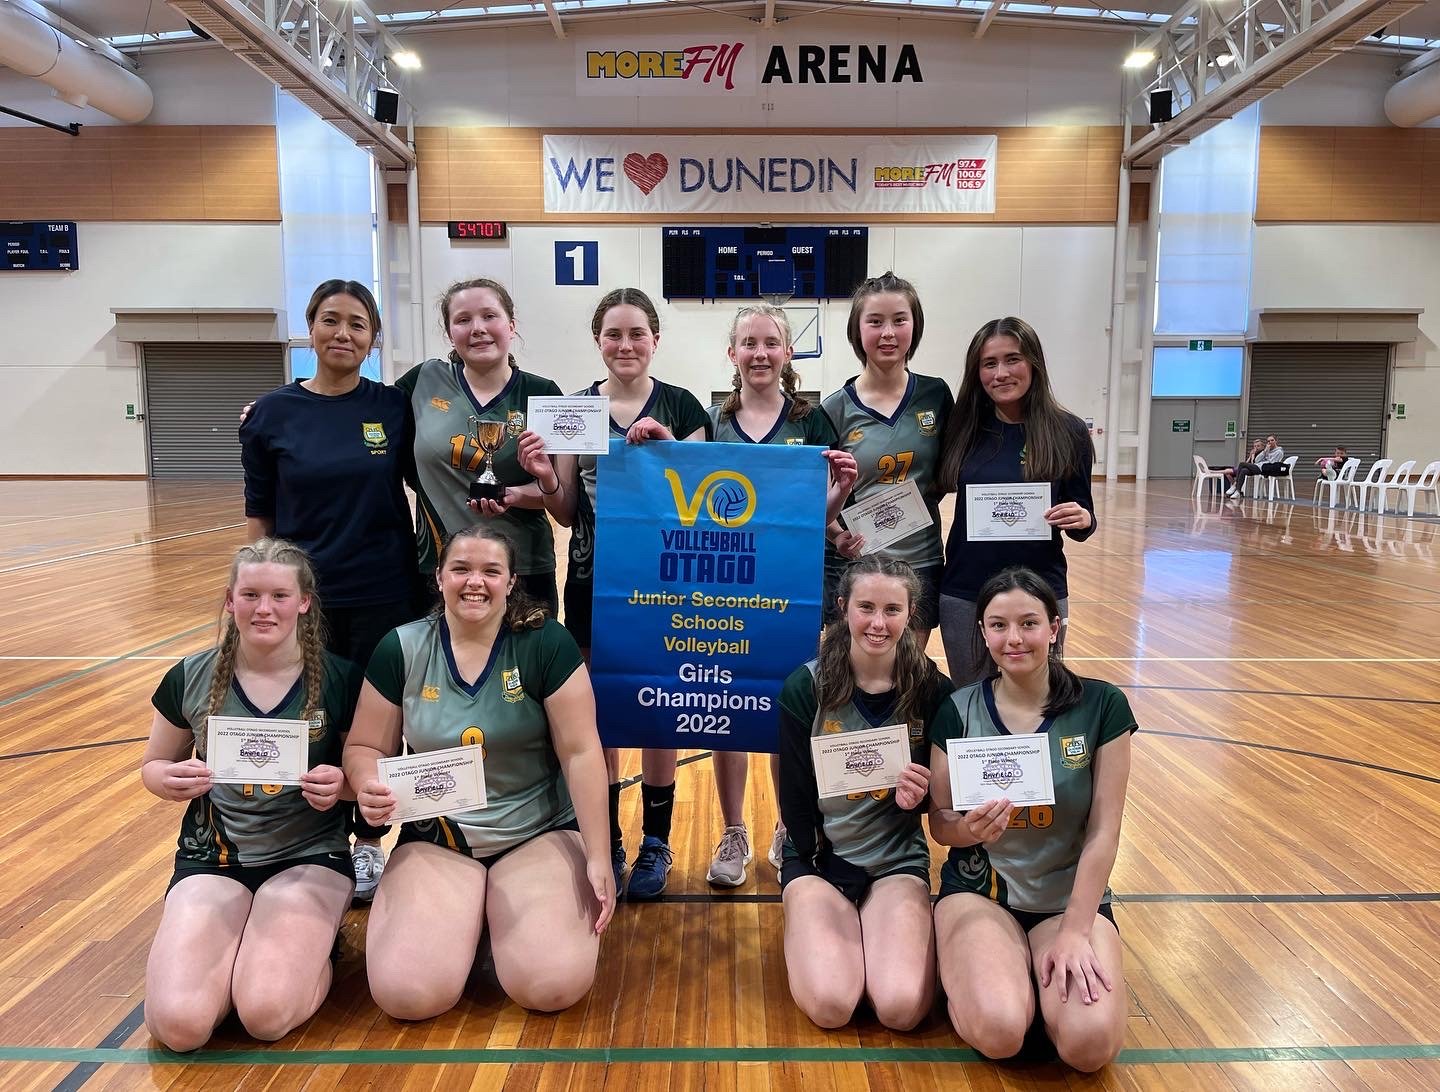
491	491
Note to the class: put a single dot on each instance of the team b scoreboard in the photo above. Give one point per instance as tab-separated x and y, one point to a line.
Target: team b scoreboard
38	244
746	263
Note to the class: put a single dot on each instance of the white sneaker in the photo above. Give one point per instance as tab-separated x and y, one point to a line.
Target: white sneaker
777	847
731	857
369	862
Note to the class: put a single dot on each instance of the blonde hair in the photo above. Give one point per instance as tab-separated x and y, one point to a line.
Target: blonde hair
789	377
310	626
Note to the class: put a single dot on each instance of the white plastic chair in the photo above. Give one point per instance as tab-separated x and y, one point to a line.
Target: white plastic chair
1275	484
1340	481
1203	473
1429	483
1361	489
1402	474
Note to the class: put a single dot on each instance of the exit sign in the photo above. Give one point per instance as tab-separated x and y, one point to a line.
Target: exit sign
1201	345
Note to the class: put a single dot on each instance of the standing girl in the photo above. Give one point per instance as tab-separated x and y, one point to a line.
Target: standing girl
262	873
891	421
856	872
1024	895
764	408
479	380
488	669
325	461
626	328
1007	427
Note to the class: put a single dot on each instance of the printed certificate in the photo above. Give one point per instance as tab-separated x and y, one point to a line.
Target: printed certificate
571	426
987	768
257	750
872	758
888	516
435	783
1007	513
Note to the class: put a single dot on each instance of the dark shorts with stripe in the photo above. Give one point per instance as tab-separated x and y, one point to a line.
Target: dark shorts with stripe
253	876
430	831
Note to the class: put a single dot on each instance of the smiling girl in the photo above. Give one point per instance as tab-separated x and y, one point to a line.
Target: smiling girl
1024	895
262	872
856	871
479	379
891	421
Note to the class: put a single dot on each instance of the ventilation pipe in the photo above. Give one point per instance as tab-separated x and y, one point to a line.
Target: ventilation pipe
80	76
1415	99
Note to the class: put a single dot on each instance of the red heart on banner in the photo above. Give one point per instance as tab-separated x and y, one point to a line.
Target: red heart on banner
646	172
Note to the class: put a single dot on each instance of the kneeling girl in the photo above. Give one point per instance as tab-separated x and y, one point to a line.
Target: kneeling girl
1024	900
487	669
856	869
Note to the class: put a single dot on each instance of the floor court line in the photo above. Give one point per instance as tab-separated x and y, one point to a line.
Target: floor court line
116	549
666	1055
40	688
1297	752
118	1034
1277	693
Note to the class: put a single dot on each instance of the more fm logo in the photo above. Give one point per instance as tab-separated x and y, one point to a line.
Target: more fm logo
960	174
714	62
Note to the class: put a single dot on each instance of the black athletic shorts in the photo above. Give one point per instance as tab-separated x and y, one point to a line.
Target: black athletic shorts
1028	919
580	610
430	832
848	879
252	876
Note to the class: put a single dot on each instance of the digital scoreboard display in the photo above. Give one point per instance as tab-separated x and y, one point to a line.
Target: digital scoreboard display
477	229
745	263
38	244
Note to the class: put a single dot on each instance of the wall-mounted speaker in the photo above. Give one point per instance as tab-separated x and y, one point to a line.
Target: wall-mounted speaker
387	106
1162	105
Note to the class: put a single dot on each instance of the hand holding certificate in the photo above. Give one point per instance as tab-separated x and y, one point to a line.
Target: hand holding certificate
257	750
888	516
990	767
434	783
1007	513
578	425
848	762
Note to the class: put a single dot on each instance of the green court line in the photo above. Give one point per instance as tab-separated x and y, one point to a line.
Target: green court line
68	676
632	1055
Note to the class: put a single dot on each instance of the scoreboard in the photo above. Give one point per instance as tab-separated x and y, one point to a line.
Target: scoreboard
38	244
745	263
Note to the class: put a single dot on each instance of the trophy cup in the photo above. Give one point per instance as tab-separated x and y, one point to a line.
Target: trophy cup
489	437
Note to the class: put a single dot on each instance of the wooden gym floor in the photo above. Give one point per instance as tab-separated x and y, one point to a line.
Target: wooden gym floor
1278	876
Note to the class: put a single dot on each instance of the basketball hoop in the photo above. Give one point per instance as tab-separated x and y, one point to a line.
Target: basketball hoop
776	299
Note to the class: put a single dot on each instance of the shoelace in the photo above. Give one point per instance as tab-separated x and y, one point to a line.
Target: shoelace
648	854
730	845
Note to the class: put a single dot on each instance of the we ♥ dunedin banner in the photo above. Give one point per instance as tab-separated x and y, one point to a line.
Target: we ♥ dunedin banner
728	173
707	590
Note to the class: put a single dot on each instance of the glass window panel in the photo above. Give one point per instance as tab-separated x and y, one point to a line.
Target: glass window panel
1179	373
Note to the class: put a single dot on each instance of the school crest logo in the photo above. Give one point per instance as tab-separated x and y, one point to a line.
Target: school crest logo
374	433
926	420
1074	754
856	435
794	440
917	731
442	404
510	678
515	423
429	693
317	726
832	727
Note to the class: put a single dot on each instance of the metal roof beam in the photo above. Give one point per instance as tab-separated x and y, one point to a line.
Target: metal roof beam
988	18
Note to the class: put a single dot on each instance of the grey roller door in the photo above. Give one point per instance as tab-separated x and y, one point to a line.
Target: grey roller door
1314	396
193	395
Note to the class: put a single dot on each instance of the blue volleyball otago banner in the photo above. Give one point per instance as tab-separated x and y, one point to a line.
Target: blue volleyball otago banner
707	589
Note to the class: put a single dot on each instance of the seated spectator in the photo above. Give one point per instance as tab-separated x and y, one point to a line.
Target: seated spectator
1330	465
1270	455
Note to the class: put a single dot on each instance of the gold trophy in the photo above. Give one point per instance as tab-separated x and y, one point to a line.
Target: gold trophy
489	437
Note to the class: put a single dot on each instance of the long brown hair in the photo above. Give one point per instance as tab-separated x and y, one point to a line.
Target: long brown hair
1065	685
1057	443
916	675
521	611
789	377
622	297
309	627
501	293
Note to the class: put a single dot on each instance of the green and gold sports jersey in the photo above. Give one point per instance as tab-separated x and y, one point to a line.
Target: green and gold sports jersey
502	712
259	824
892	450
447	460
813	429
1032	865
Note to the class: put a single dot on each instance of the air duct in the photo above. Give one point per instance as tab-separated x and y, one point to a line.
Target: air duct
81	77
1415	99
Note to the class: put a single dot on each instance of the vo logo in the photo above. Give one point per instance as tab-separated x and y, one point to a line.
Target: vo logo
728	496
